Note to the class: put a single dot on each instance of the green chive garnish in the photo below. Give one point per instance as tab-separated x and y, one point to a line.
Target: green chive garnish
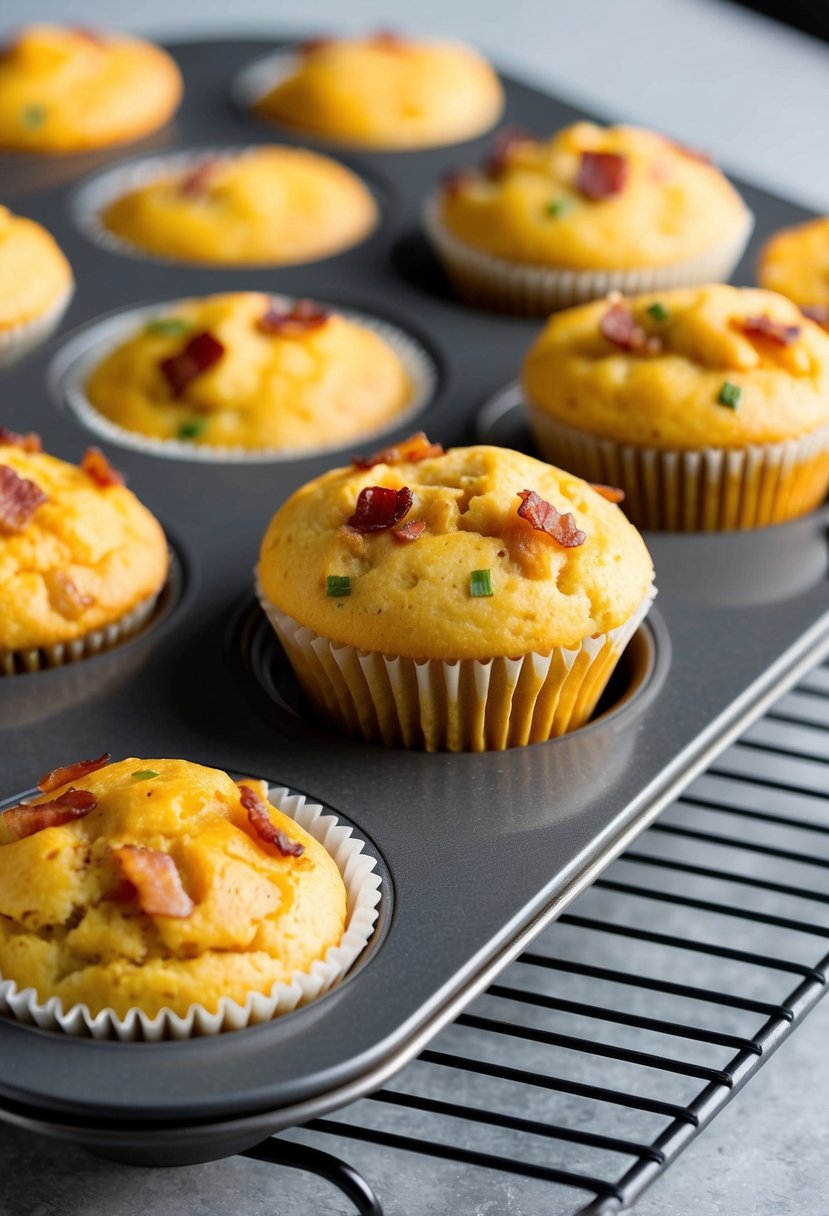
658	311
168	327
559	207
144	774
480	582
34	116
729	395
192	429
337	585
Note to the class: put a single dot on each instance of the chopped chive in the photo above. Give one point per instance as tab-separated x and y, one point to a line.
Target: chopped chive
168	327
658	311
337	585
729	395
192	429
34	116
144	774
480	582
559	207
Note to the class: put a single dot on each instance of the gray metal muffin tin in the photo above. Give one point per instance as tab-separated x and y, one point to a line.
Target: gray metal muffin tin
479	851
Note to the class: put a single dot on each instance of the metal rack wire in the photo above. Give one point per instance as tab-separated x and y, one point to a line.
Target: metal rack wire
606	1048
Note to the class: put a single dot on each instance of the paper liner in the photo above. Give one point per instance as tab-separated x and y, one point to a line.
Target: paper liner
362	882
18	340
466	705
19	662
73	365
489	281
710	489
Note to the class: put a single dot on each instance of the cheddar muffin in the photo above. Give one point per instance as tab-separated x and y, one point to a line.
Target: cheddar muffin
554	222
385	92
81	560
795	262
263	206
35	285
69	90
251	372
141	889
708	405
464	600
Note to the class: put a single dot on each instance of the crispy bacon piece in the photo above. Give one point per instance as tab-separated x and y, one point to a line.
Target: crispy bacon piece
316	44
505	140
379	507
26	819
96	466
389	40
64	595
545	518
19	499
28	442
71	772
90	35
156	880
611	493
199	355
260	820
619	326
765	327
602	174
301	318
197	181
455	182
406	533
818	313
409	451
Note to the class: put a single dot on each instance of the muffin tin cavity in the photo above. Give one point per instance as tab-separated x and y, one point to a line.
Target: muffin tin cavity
71	367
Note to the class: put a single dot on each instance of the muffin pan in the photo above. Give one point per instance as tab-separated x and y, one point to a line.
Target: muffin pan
477	852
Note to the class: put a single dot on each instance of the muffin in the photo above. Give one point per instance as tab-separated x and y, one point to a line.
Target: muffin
551	223
468	600
161	891
795	262
269	206
69	90
35	285
81	560
386	92
251	372
709	406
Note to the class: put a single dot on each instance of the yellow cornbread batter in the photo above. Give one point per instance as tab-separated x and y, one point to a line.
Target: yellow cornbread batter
70	928
34	274
795	262
387	92
66	90
330	383
272	205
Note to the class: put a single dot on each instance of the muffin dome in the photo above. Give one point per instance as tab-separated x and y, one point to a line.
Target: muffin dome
35	284
795	262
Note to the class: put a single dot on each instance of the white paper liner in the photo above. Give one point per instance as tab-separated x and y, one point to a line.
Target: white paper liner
362	882
446	706
92	198
489	281
710	489
68	374
18	340
36	658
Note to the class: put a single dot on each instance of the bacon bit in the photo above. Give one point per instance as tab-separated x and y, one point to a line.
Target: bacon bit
89	35
29	442
619	327
455	182
71	772
704	158
611	493
379	507
260	820
316	44
602	174
301	318
505	140
409	531
96	466
545	518
64	596
765	327
817	312
19	499
389	40
197	181
26	818
156	880
409	451
200	354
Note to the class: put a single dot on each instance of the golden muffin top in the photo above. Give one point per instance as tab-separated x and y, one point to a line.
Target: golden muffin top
70	89
708	366
470	554
77	549
387	92
271	205
249	370
593	198
34	274
159	883
795	262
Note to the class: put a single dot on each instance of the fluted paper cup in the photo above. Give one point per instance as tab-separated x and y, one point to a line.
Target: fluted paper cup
17	340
